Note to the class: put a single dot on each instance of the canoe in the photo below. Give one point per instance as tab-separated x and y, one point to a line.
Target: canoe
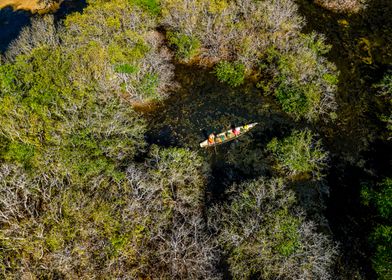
227	136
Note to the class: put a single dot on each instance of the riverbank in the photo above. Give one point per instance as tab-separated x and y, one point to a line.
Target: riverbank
33	6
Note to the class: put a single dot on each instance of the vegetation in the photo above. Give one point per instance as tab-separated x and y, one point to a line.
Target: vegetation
347	6
186	46
254	33
266	237
381	237
87	192
385	90
231	73
298	154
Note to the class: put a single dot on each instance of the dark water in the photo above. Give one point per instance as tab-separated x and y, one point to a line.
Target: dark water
203	103
12	22
362	50
359	154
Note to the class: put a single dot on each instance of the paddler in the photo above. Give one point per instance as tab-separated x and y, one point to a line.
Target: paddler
211	139
235	130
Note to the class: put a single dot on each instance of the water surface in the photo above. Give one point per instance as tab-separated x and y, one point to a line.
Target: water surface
12	22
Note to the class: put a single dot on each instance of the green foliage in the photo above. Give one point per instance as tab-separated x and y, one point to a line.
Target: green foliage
287	236
385	86
20	153
8	78
385	90
33	113
331	79
186	46
264	236
381	237
299	153
382	260
302	85
152	6
149	85
292	99
126	69
232	73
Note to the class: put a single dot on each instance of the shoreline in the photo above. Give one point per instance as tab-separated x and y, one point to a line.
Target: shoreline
32	6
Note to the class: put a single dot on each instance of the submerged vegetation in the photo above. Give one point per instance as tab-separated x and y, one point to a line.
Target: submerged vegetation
86	193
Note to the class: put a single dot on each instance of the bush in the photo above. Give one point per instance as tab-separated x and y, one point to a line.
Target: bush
186	46
292	98
231	73
302	81
342	6
148	224
152	6
266	237
299	153
385	90
381	237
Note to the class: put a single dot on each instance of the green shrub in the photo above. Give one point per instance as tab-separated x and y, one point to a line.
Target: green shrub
299	153
232	73
186	46
20	153
265	237
126	69
152	6
148	86
385	90
292	99
381	237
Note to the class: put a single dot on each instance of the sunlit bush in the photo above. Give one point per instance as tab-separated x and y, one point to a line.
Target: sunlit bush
185	46
300	153
266	237
231	73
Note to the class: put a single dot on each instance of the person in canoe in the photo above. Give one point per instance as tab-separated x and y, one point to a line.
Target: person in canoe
211	139
234	130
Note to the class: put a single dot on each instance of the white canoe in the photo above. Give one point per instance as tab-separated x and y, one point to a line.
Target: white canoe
227	136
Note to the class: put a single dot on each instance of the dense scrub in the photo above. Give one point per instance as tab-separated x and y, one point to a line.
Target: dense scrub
83	195
345	6
262	37
267	237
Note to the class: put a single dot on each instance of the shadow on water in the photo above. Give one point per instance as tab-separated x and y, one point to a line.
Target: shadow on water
204	105
12	22
362	50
